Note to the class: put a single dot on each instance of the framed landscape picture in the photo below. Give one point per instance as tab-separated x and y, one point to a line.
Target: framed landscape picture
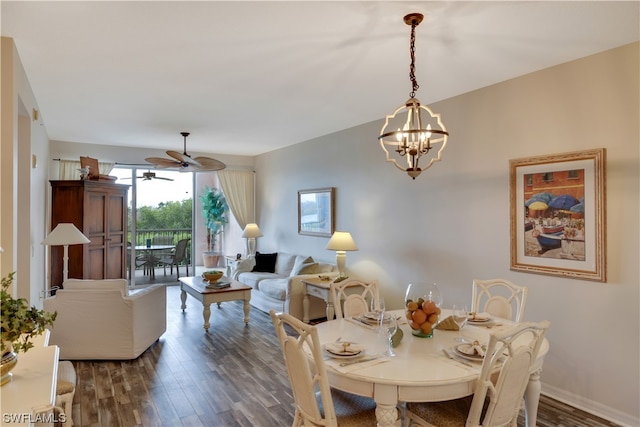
558	214
316	212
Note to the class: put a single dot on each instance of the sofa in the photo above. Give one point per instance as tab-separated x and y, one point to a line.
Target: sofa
276	282
102	320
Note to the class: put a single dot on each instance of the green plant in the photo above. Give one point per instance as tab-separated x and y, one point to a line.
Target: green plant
20	322
214	211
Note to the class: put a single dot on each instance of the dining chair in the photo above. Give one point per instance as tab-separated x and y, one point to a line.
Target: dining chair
352	297
499	392
500	298
316	403
176	257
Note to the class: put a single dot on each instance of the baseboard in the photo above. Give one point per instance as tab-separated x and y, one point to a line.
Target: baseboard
590	406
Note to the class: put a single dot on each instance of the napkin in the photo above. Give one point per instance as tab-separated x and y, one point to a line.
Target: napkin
477	349
344	347
369	360
479	317
448	324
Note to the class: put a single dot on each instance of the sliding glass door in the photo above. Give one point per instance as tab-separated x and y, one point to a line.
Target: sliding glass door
161	202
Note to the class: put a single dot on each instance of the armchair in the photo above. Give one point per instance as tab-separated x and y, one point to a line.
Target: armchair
100	320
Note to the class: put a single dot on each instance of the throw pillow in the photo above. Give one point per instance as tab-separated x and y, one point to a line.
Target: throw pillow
265	263
300	260
310	268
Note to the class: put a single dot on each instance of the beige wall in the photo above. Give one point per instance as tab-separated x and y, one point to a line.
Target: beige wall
451	225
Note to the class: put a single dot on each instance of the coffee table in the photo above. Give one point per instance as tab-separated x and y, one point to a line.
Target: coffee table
196	287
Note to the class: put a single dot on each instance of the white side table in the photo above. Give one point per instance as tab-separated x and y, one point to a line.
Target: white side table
232	265
317	288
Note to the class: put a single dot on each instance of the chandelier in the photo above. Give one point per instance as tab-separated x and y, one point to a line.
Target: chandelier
418	130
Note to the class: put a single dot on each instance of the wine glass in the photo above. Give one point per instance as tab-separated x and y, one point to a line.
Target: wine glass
377	307
388	328
460	315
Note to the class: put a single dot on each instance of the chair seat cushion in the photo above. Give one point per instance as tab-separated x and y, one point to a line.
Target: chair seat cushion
450	413
351	409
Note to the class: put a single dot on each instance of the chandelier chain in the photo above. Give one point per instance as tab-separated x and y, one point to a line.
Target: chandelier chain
412	67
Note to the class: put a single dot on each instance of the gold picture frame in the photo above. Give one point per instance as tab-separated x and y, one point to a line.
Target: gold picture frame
316	212
558	214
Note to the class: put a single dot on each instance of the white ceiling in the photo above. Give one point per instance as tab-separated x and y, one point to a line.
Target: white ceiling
250	77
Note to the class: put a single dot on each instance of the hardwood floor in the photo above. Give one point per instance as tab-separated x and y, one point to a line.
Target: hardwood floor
232	376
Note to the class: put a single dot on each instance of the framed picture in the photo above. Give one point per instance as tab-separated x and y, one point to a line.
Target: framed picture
316	212
558	214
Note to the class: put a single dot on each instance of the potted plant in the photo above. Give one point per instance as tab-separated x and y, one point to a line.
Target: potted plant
214	211
20	323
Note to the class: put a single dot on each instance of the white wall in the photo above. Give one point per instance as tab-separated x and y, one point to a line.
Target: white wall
22	201
451	224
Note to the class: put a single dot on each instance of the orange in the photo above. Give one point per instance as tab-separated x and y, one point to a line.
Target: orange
419	316
426	327
412	305
429	307
414	325
432	318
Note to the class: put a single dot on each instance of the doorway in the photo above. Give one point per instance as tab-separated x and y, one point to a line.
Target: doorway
160	214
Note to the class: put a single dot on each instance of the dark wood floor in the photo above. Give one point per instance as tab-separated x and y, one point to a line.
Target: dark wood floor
232	376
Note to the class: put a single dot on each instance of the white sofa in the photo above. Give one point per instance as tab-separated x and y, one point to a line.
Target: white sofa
101	320
282	290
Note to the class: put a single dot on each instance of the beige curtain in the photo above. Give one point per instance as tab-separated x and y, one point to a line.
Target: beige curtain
238	188
69	169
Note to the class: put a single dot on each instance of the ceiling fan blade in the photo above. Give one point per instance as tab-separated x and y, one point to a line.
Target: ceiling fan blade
176	155
161	162
209	164
166	179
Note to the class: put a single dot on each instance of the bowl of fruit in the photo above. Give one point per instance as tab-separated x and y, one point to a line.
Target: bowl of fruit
212	276
422	308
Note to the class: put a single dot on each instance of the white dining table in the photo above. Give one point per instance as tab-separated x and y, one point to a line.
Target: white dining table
419	371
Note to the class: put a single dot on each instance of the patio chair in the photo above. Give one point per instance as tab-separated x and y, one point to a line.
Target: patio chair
175	258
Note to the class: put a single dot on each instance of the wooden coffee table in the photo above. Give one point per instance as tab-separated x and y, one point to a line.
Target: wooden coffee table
195	286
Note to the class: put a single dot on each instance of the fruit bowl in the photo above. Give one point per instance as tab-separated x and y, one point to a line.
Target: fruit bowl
422	309
212	275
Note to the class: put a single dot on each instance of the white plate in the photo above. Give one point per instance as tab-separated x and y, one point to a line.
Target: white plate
466	351
337	350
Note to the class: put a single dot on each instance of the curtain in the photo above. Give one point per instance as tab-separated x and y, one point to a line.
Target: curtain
69	169
238	188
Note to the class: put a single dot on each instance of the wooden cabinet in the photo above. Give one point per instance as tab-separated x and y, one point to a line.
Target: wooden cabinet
99	210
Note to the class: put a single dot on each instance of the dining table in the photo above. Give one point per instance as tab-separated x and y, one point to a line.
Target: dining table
420	370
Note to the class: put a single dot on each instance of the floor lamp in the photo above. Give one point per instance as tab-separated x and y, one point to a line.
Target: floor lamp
251	231
341	241
65	234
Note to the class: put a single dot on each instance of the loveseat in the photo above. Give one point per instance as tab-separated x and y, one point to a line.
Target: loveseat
276	280
101	320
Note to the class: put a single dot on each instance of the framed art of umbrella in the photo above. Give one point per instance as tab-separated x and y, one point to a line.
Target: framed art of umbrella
557	213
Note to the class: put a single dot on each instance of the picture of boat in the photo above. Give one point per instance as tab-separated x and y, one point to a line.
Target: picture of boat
548	241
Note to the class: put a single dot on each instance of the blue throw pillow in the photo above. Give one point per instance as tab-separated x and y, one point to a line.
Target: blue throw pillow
265	262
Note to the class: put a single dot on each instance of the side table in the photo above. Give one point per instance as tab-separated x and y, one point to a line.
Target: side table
231	263
317	287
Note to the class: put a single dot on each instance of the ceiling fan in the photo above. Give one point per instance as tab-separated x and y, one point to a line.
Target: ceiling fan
148	176
184	162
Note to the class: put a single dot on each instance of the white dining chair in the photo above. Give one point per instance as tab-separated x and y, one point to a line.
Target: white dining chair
316	403
500	298
352	297
499	391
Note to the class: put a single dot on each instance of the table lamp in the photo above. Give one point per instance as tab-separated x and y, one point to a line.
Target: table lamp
65	234
251	231
341	241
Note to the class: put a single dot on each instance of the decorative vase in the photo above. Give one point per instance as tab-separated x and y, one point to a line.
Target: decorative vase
9	361
210	259
422	306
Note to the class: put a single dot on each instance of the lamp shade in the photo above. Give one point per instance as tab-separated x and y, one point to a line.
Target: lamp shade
65	234
252	230
341	241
